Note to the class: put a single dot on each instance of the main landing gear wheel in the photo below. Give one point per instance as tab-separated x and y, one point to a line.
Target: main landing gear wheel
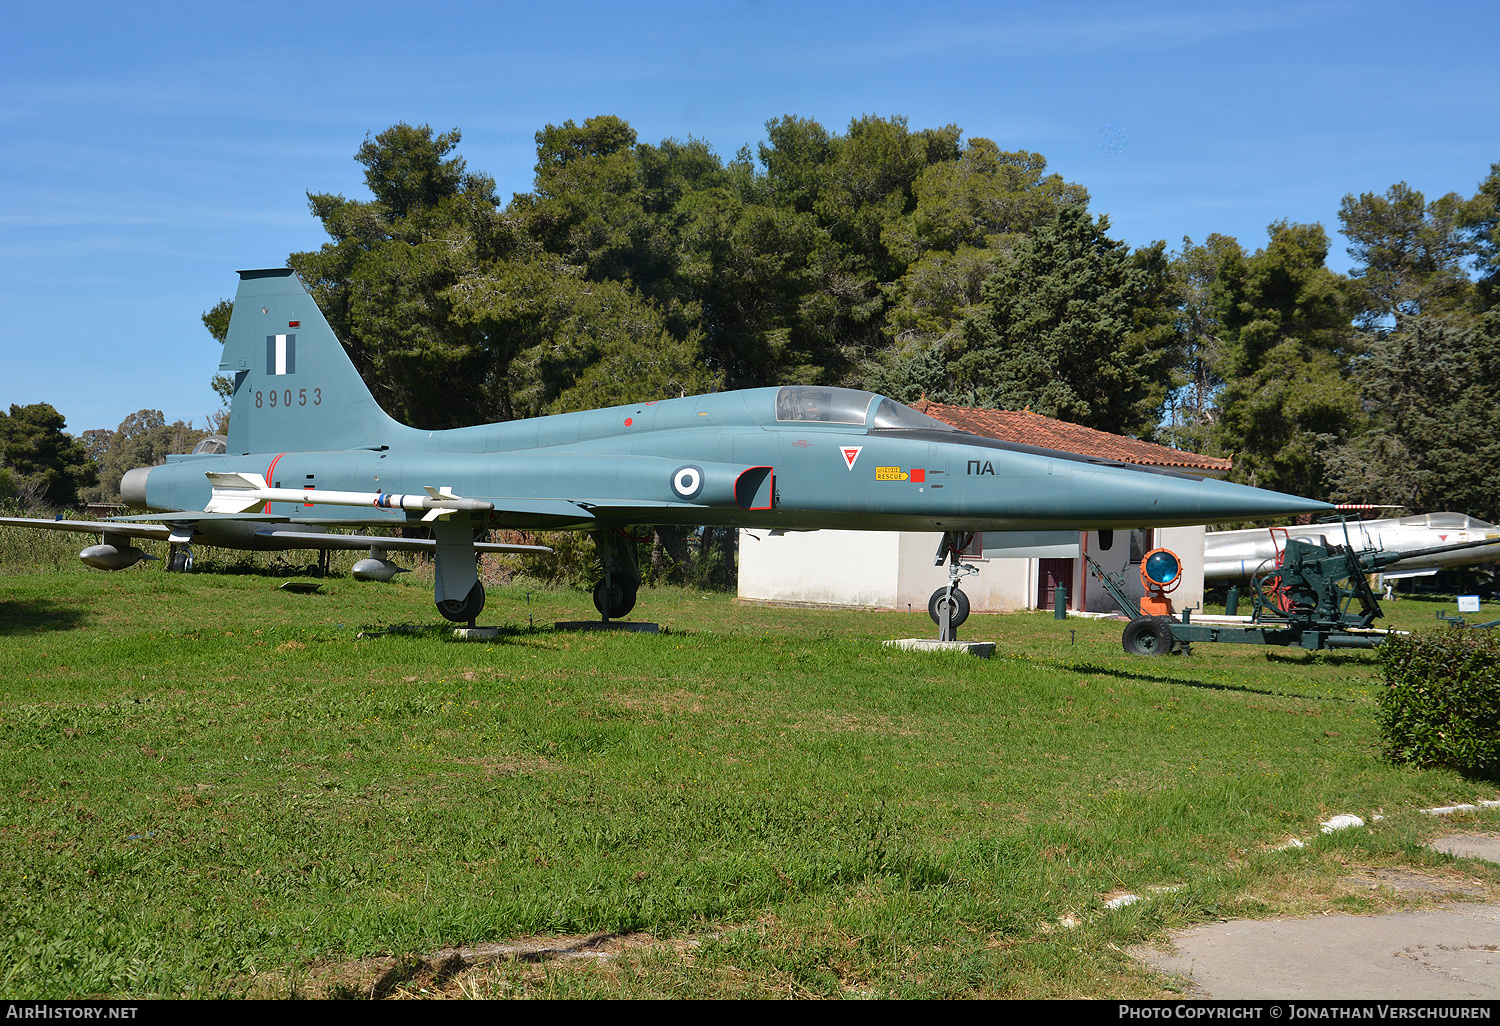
938	605
617	599
180	561
1147	636
466	611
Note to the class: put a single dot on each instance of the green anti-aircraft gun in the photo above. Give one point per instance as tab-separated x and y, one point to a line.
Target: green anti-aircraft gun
1311	596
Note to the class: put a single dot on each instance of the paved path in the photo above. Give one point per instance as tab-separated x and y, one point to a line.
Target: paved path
1452	951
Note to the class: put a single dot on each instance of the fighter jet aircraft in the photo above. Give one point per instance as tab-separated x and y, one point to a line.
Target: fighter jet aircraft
308	448
1236	555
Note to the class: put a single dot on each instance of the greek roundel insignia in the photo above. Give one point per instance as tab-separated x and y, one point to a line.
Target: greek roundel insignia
687	481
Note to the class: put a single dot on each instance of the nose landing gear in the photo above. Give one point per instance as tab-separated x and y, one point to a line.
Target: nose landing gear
948	606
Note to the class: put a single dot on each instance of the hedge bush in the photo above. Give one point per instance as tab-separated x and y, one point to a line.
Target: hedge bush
1441	704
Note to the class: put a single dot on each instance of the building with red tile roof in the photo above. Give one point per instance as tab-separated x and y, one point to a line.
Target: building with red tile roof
1027	428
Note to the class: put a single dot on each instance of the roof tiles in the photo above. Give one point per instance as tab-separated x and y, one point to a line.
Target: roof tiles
1027	428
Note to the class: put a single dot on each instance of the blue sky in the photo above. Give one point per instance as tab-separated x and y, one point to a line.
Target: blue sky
147	151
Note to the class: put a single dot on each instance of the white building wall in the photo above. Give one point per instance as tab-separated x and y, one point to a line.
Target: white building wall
891	570
833	568
883	569
1000	586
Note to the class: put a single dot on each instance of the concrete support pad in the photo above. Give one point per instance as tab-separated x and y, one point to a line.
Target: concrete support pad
611	625
476	633
982	649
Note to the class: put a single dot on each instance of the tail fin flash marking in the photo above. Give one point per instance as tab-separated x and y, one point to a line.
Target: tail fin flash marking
281	354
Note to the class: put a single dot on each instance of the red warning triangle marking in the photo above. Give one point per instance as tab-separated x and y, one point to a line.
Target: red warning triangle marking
851	453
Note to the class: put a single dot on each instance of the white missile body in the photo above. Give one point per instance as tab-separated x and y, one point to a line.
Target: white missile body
241	493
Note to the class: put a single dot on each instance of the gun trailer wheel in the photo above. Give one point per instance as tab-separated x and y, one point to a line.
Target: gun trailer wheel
1147	636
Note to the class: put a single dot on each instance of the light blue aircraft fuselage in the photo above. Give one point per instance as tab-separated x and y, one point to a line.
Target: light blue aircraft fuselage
795	457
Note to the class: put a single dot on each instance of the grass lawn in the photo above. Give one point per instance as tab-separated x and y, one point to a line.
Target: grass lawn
214	788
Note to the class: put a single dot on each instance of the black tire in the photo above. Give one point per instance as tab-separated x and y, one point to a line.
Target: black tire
940	599
466	610
179	562
1148	636
621	598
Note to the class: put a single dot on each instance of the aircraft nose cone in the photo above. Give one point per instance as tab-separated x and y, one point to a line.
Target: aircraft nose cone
1129	496
1221	501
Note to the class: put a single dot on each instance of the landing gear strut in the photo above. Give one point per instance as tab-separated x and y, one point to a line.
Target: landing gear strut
948	606
457	591
614	595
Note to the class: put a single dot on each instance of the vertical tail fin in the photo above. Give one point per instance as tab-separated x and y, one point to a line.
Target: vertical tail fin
294	386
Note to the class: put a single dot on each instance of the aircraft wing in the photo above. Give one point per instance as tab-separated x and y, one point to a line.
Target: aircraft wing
1396	575
264	529
129	530
293	539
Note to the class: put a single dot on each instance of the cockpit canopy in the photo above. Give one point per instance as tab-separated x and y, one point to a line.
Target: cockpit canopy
825	405
1451	521
213	445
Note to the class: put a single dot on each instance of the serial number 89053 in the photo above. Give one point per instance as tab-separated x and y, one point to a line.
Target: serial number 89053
284	397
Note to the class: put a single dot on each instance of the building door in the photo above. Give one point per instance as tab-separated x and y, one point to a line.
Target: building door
1051	575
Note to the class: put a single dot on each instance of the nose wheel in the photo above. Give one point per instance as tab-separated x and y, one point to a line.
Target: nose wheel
947	604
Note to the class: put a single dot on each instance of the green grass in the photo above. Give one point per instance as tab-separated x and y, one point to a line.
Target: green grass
212	787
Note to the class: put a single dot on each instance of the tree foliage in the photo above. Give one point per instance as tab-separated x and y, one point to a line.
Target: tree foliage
1433	393
40	464
143	439
1481	222
1286	346
1192	408
1072	325
1411	254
